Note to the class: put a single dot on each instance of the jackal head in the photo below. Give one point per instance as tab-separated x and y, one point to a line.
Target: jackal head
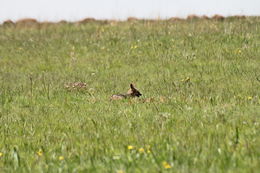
133	92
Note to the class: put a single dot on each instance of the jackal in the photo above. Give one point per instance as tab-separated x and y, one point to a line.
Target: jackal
132	92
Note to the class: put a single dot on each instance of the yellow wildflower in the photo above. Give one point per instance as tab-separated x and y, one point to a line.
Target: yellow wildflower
186	80
134	47
1	154
166	165
61	158
141	150
148	147
119	171
39	153
130	147
249	98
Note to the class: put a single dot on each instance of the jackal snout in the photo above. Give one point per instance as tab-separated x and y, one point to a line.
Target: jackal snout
132	92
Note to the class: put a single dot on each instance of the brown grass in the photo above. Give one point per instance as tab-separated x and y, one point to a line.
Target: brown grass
46	24
63	22
193	17
132	19
112	22
205	17
86	20
175	19
30	22
236	17
27	21
8	23
218	17
74	86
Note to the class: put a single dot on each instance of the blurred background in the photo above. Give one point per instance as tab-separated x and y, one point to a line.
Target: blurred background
73	10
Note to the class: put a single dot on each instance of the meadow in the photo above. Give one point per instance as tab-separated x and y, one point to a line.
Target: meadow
199	112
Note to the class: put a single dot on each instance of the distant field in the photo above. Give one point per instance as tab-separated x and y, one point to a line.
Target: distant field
200	109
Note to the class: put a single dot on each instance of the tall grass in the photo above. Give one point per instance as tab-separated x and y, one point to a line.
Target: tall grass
199	112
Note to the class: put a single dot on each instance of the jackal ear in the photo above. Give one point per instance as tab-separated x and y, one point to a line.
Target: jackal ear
132	86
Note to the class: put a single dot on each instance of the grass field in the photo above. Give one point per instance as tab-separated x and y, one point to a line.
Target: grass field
199	112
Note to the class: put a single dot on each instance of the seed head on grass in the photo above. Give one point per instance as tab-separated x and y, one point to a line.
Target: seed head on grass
1	154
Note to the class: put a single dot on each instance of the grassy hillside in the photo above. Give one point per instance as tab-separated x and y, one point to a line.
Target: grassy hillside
200	109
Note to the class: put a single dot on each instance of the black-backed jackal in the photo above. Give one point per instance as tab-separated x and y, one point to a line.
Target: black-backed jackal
132	92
